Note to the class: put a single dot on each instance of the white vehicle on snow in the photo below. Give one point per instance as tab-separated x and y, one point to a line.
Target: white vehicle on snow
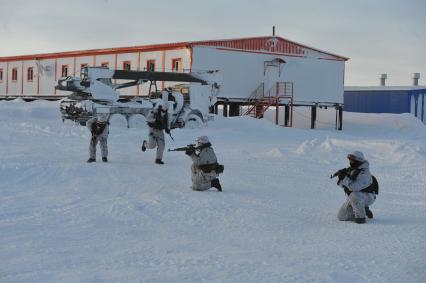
94	92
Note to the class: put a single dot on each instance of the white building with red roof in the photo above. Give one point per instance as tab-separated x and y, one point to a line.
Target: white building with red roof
242	67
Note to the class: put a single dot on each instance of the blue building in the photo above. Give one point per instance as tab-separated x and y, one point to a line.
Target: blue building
387	99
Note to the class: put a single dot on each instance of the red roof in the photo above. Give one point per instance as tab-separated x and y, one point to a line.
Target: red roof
268	44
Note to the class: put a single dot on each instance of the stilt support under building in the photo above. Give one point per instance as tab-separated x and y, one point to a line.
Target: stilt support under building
225	109
340	118
286	115
313	115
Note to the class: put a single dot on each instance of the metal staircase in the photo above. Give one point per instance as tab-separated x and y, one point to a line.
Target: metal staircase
254	101
259	101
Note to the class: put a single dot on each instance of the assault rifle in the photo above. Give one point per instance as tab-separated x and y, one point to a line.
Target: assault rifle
190	147
340	172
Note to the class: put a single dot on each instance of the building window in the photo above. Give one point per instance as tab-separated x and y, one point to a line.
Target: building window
150	65
64	72
1	75
126	65
105	64
82	66
177	65
30	74
14	74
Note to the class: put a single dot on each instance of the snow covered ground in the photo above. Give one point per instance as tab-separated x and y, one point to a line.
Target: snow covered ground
63	220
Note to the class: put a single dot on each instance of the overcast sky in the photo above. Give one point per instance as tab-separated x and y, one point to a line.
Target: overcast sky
379	36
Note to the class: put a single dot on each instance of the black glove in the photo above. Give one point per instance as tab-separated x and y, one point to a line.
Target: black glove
189	151
347	191
167	130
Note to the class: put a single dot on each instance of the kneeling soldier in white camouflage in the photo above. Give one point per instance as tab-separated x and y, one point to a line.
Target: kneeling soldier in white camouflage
99	128
205	169
360	187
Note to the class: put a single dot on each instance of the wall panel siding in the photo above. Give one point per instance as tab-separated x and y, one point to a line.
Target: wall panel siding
3	66
30	87
47	78
376	101
14	86
242	72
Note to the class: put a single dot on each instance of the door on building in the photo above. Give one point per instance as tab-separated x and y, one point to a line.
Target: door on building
273	71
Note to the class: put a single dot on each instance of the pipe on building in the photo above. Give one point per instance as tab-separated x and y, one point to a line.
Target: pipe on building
416	77
383	78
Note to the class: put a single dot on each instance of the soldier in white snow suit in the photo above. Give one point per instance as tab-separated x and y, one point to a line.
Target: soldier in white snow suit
205	169
157	123
99	128
357	182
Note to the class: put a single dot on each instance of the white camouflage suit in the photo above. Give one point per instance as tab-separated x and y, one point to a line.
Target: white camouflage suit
156	136
354	206
101	138
201	181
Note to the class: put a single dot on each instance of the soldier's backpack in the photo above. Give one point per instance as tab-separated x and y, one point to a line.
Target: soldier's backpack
373	188
219	168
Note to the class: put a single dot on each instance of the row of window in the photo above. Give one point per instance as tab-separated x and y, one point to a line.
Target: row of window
150	66
30	74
